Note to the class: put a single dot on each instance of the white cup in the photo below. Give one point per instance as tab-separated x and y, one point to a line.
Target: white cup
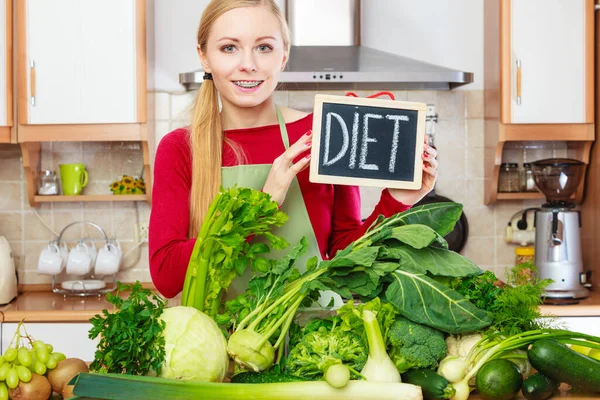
109	258
50	261
64	253
91	249
79	261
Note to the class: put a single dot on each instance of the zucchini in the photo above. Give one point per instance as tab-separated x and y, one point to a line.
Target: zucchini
433	385
265	377
539	387
560	363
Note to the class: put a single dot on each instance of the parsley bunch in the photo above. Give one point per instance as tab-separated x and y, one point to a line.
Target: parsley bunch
514	307
131	340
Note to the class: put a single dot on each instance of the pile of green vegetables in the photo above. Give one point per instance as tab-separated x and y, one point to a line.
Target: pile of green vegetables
420	320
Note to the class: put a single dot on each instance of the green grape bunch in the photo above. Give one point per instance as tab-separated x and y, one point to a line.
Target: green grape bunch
23	357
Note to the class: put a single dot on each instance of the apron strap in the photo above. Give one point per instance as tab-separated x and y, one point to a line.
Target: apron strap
282	128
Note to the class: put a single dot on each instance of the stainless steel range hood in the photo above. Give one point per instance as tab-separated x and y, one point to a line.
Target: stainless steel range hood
330	58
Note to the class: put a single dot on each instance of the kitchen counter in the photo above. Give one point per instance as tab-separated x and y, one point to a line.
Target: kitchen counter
52	307
589	307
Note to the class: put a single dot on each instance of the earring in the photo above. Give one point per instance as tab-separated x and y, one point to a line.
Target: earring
208	76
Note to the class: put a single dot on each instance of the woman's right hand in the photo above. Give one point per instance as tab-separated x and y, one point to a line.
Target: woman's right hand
284	169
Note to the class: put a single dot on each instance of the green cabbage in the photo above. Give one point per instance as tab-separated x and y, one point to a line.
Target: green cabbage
195	348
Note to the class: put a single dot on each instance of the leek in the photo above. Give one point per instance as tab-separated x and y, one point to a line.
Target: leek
126	387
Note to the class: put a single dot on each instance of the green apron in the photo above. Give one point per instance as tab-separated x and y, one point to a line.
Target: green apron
254	176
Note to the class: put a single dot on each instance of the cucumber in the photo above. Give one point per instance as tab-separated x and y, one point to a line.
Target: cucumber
433	385
560	363
539	387
265	377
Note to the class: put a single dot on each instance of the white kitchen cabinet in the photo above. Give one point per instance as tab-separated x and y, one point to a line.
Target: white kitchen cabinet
71	339
548	54
83	62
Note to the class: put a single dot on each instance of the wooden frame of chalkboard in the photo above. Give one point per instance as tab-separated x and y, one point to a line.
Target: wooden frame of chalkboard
374	142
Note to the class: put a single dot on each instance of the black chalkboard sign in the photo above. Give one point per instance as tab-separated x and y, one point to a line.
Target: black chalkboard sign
367	142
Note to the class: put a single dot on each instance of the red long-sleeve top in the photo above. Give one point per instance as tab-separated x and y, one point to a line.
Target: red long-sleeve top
334	211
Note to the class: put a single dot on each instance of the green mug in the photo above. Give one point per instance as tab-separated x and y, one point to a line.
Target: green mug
74	178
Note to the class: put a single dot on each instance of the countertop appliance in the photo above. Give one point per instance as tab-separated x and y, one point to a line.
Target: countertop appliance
8	273
326	54
557	230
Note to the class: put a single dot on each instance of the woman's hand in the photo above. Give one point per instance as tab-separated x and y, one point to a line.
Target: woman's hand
430	173
284	169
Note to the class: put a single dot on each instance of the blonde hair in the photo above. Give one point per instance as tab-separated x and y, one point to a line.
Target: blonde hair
206	134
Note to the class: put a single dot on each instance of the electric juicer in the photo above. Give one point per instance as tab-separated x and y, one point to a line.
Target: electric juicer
557	229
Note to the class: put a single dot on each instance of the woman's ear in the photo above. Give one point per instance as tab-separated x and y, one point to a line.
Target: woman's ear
203	59
285	60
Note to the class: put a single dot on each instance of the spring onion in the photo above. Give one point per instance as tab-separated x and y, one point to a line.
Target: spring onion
125	387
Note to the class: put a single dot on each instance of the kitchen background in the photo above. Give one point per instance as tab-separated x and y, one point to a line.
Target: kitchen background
436	31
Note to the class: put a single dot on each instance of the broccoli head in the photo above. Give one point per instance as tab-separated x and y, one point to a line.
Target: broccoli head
318	350
414	345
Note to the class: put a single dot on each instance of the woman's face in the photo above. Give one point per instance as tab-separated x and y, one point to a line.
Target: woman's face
245	54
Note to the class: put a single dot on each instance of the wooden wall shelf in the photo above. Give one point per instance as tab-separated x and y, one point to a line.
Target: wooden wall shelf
86	198
545	132
579	150
31	162
82	133
519	196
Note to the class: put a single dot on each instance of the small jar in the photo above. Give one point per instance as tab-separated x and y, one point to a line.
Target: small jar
524	254
48	183
508	178
525	274
527	180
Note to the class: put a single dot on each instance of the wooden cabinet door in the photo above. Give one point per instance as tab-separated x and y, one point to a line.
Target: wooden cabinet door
71	339
5	62
548	50
81	58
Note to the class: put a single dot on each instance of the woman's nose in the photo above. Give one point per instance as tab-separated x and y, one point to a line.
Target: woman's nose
247	63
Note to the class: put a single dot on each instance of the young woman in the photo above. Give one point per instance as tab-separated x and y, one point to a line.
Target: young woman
243	46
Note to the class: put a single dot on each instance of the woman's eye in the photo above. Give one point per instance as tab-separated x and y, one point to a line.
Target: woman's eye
228	48
264	48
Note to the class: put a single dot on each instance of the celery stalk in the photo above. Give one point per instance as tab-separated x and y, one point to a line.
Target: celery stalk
117	387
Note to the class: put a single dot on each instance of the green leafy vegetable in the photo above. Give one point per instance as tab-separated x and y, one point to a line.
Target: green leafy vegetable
479	290
131	340
262	317
222	250
513	307
428	302
435	261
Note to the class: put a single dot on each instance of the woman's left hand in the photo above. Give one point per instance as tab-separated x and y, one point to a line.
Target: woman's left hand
430	173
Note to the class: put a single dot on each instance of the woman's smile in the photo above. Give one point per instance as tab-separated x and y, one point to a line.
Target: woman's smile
248	86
